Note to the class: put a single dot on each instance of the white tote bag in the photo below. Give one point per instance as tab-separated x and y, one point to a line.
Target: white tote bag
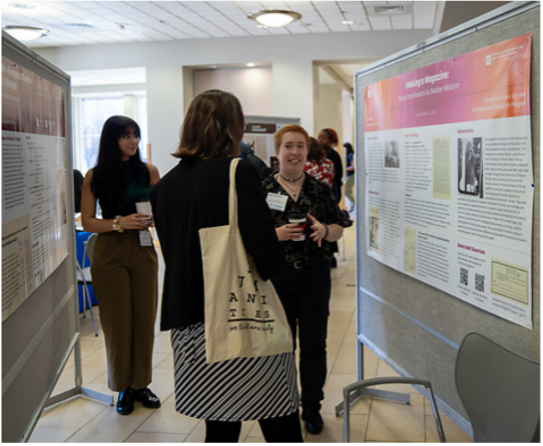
243	314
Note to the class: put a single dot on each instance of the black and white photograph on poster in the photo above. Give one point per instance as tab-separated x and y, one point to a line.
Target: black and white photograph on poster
392	154
470	165
374	229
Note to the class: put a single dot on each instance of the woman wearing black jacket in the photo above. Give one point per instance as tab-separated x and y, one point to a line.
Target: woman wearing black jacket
194	195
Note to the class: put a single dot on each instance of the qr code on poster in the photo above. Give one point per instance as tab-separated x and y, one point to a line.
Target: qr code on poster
480	282
463	276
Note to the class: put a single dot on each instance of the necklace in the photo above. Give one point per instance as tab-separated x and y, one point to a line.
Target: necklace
294	191
292	181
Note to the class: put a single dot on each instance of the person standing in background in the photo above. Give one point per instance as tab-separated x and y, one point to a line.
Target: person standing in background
124	266
247	154
349	184
328	139
78	190
317	165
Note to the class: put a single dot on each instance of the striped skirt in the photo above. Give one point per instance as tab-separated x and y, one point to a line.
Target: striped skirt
240	389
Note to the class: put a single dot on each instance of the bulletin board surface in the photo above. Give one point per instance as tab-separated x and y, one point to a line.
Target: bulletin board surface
39	320
413	324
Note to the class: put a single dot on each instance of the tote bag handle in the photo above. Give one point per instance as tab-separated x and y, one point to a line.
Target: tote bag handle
233	196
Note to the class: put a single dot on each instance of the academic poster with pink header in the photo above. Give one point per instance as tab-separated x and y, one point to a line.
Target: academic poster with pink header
449	177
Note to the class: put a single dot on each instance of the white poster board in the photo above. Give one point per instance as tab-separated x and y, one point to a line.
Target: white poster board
259	137
34	195
259	132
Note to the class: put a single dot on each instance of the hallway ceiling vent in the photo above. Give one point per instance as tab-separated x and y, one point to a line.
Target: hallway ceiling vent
79	25
390	10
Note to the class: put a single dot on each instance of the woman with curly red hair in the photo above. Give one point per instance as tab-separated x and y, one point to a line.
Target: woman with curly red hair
328	139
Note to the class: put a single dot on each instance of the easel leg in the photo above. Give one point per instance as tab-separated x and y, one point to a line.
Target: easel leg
78	390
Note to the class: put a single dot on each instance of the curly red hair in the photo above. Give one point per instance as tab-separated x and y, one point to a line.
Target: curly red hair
332	134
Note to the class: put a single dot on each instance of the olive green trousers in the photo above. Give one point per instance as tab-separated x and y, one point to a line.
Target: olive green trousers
125	280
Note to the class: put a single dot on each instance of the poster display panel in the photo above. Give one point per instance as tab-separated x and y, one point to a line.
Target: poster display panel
34	195
449	180
259	137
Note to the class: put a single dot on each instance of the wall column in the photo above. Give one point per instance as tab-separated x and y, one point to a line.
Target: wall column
293	90
164	112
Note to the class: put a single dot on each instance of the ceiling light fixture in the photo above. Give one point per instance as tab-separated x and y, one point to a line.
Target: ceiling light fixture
23	5
275	18
250	65
25	33
347	22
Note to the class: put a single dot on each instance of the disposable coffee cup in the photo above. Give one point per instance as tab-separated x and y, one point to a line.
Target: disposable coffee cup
144	207
298	219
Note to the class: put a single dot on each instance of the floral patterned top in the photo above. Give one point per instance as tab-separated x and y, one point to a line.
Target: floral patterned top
323	171
316	199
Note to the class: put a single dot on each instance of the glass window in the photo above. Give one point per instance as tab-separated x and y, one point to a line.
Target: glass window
90	113
141	111
94	112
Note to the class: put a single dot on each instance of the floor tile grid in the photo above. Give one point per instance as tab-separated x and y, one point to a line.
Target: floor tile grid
84	420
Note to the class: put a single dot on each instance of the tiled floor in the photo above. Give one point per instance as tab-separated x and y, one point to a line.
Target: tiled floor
83	420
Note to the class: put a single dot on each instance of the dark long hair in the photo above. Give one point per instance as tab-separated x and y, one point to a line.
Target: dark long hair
108	177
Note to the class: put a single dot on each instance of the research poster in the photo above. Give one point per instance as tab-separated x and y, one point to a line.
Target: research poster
260	138
449	177
34	195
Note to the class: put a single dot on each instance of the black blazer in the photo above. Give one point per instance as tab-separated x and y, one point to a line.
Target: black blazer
194	195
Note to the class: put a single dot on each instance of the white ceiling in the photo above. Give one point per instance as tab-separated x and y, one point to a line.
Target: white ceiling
106	22
110	22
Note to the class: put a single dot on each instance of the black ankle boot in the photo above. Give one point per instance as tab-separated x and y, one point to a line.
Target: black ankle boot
313	421
125	403
147	398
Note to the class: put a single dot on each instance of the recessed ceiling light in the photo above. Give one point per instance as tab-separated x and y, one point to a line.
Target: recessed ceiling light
347	22
250	64
25	33
275	18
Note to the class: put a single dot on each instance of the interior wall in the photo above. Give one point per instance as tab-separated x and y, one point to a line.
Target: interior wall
331	109
347	105
252	86
168	90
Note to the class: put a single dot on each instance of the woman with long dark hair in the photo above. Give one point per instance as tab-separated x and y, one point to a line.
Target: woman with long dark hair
124	265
